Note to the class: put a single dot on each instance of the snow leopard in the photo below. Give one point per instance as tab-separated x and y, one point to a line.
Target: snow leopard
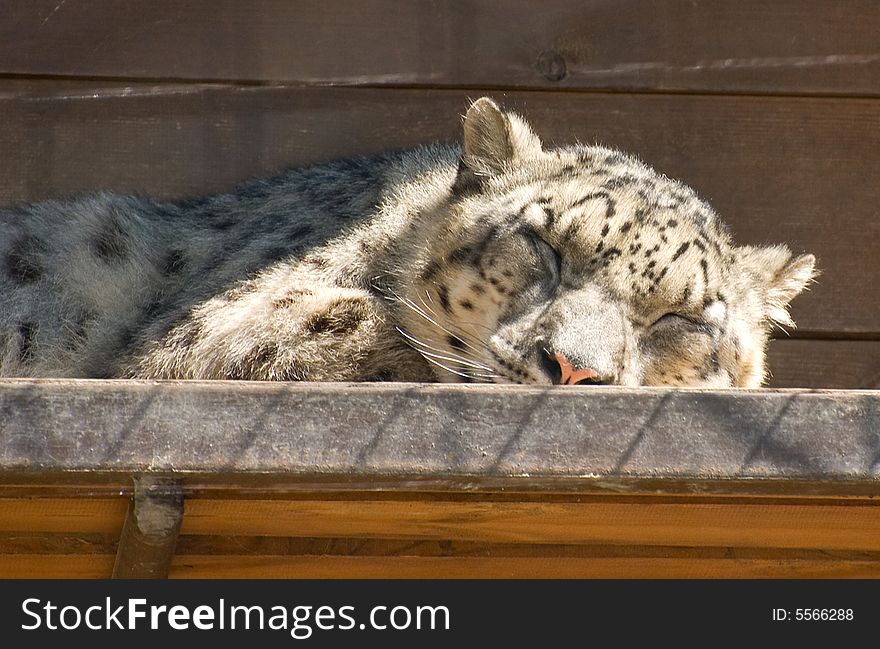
492	260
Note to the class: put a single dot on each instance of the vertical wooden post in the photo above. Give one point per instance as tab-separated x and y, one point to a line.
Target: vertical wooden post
152	525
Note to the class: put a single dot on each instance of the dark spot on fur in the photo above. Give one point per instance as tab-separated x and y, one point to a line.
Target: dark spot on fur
318	262
705	268
456	343
626	227
174	263
153	309
27	331
443	295
220	222
478	289
261	356
586	158
619	181
699	244
234	373
713	362
611	253
681	250
126	341
292	298
185	335
605	229
111	244
340	318
431	270
284	302
461	254
22	264
610	205
467	305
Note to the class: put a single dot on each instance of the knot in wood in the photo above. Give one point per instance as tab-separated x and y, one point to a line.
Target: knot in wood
551	65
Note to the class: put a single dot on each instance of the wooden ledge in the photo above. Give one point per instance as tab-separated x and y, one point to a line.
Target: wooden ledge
414	437
212	479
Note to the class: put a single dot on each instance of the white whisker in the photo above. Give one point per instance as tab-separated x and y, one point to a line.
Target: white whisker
461	362
461	335
441	353
452	371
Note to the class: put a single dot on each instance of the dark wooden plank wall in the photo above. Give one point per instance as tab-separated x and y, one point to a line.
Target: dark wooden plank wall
770	109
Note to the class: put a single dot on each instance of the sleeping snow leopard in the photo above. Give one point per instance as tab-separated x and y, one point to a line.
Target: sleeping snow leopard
493	261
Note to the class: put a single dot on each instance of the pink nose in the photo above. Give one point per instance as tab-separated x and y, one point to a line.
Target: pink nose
572	375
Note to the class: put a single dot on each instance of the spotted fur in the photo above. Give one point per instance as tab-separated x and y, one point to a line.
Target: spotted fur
493	261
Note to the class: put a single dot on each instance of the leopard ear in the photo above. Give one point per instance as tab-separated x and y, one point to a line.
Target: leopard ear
493	141
781	276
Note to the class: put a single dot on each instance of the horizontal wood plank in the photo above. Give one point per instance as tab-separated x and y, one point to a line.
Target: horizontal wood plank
833	527
91	556
424	437
28	542
788	46
57	566
796	171
63	515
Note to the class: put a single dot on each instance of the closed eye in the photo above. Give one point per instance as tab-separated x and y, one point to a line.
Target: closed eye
548	254
679	320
